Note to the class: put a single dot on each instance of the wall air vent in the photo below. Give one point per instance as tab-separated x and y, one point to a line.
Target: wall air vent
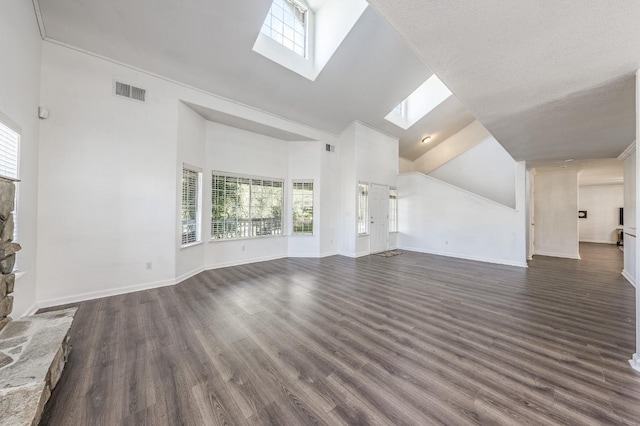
330	148
131	92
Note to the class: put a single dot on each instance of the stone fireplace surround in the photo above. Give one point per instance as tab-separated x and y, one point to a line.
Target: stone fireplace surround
33	350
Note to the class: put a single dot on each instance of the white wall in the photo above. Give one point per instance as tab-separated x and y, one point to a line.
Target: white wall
485	169
20	47
304	163
602	203
450	148
404	165
366	156
107	179
439	218
191	151
110	170
556	214
629	270
239	151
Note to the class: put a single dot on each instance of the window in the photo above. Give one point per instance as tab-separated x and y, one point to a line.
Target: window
302	202
363	209
286	23
9	144
393	210
401	109
243	207
191	206
9	140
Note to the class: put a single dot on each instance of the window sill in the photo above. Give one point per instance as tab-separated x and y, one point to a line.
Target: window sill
262	237
363	235
197	243
393	232
303	235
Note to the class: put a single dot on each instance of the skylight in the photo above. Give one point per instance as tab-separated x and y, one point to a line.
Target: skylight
420	103
286	23
303	35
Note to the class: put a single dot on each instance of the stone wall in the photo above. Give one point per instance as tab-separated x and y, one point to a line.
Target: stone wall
8	249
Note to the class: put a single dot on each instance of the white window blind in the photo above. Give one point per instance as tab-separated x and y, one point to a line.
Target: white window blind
9	140
363	209
393	210
191	207
302	203
286	23
244	207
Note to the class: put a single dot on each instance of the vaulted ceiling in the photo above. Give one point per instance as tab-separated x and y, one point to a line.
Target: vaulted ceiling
550	80
208	45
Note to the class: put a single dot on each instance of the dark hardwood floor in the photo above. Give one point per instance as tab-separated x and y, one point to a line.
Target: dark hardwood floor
411	339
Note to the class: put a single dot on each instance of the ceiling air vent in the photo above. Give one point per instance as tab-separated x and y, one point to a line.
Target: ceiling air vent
330	148
131	92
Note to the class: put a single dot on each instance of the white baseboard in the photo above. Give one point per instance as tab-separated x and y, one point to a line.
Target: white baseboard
552	254
303	255
468	257
188	275
329	253
103	293
629	278
354	255
31	310
244	262
635	362
598	241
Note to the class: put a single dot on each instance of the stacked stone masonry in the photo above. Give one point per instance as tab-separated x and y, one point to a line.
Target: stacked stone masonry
8	249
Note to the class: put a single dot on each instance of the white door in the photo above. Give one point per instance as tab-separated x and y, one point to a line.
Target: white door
379	212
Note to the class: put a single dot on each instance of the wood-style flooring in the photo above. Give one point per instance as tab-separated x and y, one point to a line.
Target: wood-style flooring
413	339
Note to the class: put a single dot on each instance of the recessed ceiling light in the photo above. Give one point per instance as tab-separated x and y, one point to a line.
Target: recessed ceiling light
426	139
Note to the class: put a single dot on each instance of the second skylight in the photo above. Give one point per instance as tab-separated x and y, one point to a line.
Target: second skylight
421	102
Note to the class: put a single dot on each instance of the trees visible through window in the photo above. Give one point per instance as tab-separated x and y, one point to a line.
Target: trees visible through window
393	210
286	23
191	205
302	202
243	207
363	209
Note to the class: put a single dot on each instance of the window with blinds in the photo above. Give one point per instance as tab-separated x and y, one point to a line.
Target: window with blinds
9	151
245	207
9	141
302	203
286	23
363	209
393	210
191	206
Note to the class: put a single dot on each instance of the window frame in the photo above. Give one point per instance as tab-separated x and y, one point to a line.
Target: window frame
250	179
13	127
267	28
393	210
198	207
294	182
362	217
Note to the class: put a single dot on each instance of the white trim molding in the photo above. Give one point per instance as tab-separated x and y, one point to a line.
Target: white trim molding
552	254
635	362
627	152
629	278
465	257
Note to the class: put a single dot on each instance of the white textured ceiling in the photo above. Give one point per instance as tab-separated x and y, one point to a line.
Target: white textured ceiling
549	79
604	171
208	44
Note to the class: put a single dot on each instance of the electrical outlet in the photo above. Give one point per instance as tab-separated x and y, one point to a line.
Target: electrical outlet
148	266
242	247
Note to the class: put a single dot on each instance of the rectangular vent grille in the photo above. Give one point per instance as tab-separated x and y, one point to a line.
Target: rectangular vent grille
131	92
330	148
